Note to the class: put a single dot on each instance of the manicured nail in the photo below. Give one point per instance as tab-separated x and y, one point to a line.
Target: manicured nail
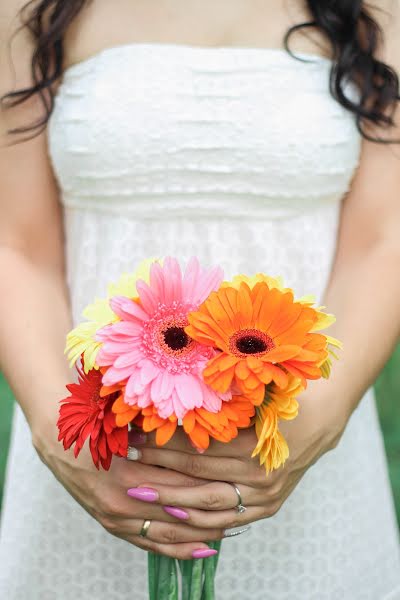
176	512
234	531
135	437
133	453
145	494
204	553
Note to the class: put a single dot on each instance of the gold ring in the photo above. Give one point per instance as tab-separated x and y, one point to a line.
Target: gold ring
145	528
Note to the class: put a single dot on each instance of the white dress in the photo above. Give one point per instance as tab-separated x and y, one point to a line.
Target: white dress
241	157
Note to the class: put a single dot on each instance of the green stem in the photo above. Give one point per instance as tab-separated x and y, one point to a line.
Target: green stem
173	588
167	581
186	567
152	572
210	567
209	575
196	586
217	546
197	577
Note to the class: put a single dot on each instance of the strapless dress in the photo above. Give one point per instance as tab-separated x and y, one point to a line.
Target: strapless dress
241	157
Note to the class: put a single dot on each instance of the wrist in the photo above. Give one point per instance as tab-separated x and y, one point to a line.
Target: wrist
44	434
322	407
43	421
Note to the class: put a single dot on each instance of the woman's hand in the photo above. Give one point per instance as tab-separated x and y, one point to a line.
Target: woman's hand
103	494
315	431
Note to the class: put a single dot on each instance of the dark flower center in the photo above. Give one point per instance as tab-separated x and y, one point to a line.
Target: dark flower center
249	344
176	338
250	341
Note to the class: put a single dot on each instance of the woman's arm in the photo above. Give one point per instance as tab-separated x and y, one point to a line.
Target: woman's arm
364	287
35	317
33	301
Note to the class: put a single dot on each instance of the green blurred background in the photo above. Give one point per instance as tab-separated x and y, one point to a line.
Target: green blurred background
388	401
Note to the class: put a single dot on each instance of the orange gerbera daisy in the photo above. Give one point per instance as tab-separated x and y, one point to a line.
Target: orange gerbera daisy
146	419
262	334
165	428
278	404
199	424
124	413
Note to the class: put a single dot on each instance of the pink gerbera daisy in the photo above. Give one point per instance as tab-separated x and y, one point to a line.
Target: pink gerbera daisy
148	348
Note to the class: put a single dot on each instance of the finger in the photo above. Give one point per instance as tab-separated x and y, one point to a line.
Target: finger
241	446
197	465
184	551
217	495
129	471
112	507
167	533
227	519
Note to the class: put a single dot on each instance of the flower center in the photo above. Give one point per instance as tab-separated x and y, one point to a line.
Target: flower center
250	341
165	342
173	339
176	338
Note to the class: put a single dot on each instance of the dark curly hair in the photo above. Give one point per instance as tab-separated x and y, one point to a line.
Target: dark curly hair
353	33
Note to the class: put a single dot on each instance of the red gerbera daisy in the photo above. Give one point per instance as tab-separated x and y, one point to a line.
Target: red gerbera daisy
87	413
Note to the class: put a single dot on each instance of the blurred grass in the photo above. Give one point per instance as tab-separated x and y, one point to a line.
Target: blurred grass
6	405
388	401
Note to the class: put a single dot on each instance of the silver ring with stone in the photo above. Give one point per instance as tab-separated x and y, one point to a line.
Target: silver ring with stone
240	506
145	528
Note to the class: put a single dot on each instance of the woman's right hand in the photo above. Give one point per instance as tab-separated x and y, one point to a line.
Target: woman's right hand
103	494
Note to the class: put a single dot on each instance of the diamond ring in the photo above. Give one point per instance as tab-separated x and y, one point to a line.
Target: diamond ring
240	506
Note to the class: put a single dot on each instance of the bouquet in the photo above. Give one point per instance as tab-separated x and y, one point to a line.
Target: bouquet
170	349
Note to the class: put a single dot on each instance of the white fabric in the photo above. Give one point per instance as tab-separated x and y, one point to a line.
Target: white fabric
241	157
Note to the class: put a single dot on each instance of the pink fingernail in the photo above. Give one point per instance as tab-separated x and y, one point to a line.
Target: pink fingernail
143	493
204	553
176	512
136	437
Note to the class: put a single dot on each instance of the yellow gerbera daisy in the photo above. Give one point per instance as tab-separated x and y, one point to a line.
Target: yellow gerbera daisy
99	314
278	404
272	282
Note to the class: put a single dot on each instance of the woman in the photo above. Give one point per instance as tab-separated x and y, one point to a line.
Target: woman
181	129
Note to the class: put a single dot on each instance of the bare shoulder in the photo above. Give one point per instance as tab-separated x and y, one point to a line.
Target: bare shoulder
10	9
384	10
387	15
15	48
10	19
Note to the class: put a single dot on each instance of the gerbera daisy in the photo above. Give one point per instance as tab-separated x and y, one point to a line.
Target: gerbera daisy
150	420
262	334
223	426
278	404
148	349
323	321
252	280
81	340
199	424
88	414
124	413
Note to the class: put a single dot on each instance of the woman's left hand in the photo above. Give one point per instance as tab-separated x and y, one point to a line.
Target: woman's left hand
316	430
